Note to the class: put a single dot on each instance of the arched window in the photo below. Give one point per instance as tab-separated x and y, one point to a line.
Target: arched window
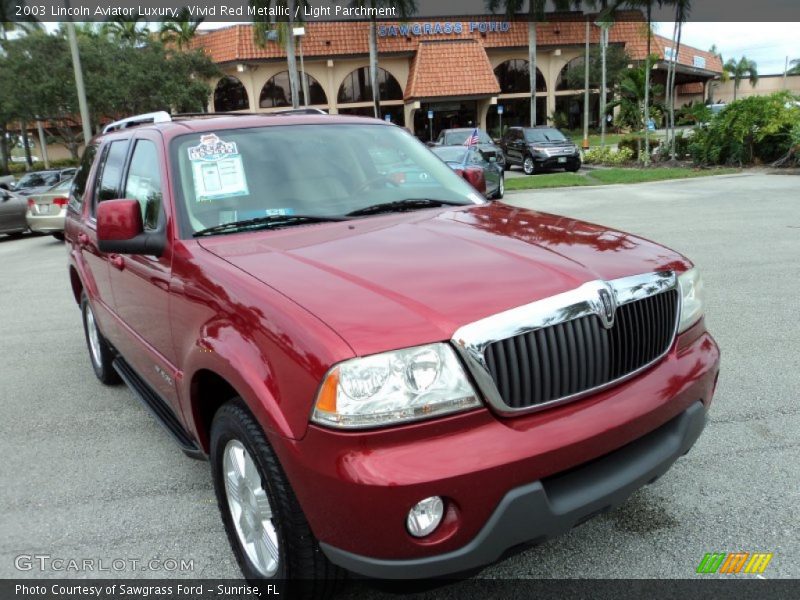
572	75
276	92
230	95
514	77
356	87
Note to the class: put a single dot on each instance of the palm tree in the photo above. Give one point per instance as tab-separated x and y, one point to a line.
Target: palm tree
682	8
634	98
403	10
738	70
182	30
127	31
7	9
795	70
283	33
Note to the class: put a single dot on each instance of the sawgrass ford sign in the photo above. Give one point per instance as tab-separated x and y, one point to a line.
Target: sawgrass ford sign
444	27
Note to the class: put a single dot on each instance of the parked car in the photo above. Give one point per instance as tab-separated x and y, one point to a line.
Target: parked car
7	182
12	212
46	211
472	164
401	381
37	182
459	136
537	149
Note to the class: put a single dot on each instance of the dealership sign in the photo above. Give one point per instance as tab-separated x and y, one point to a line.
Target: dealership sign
443	28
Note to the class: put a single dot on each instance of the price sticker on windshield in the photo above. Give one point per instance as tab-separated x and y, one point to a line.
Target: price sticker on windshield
217	169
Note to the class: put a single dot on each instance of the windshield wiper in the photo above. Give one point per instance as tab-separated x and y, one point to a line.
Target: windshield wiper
402	205
265	222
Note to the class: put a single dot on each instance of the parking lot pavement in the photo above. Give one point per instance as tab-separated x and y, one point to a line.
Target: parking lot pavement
87	473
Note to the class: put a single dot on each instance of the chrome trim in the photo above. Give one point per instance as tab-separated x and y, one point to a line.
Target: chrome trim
472	339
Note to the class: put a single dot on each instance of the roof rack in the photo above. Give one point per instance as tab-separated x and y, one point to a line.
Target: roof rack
153	117
297	111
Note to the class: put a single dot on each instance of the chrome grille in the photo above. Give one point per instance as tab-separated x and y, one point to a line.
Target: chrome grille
562	347
575	356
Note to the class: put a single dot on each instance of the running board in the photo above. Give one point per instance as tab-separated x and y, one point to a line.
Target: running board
159	409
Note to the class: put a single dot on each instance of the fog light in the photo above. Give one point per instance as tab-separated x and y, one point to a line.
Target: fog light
425	516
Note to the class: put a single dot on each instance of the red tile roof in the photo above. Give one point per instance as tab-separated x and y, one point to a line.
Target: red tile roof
452	68
329	39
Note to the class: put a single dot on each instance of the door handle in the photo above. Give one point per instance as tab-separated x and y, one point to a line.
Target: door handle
117	261
83	239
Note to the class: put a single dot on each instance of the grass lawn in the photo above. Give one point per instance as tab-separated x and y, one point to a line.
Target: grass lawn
610	176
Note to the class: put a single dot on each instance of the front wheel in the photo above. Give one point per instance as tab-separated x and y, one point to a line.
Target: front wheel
501	188
573	168
264	522
528	165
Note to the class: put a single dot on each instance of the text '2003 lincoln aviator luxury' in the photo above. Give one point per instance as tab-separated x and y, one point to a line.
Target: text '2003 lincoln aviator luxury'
388	373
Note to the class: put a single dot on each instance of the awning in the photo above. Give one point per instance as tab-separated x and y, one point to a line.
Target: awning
451	68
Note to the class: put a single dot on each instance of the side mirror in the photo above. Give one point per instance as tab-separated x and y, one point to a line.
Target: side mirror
120	230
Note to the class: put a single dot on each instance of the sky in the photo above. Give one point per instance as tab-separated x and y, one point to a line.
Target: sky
766	43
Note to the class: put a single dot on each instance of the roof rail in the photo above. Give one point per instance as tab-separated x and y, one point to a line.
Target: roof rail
215	114
153	117
297	111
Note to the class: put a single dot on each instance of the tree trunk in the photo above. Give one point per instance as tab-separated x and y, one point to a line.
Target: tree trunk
672	105
603	83
291	59
670	91
3	150
586	88
647	88
373	67
735	88
26	143
532	64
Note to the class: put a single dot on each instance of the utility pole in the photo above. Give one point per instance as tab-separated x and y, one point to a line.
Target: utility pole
785	72
76	66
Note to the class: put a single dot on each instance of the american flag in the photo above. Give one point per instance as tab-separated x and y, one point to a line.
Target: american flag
472	139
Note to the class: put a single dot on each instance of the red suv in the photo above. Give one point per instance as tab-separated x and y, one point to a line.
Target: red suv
390	375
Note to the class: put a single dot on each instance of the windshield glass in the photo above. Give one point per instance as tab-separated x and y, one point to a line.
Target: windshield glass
459	136
544	135
451	153
309	170
37	180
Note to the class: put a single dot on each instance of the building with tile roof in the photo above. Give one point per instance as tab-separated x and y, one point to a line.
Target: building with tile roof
460	71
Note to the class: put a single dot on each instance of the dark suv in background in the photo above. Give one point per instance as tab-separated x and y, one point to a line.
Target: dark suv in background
538	149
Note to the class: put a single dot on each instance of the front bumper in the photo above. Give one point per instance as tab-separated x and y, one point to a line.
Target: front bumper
506	481
552	162
551	506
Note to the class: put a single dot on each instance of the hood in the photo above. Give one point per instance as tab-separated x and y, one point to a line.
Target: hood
399	280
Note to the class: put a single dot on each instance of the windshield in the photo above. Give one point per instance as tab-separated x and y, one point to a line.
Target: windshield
305	170
37	180
544	135
459	136
451	153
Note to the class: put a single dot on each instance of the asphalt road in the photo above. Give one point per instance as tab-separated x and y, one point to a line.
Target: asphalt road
87	473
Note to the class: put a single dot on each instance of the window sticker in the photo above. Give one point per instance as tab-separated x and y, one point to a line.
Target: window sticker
217	169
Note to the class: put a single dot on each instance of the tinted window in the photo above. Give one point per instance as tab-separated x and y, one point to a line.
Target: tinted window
144	182
81	177
111	171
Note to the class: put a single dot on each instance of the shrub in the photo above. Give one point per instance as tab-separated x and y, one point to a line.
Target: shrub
756	129
18	168
634	141
605	155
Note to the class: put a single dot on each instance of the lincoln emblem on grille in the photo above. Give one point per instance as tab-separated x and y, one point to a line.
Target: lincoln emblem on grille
607	316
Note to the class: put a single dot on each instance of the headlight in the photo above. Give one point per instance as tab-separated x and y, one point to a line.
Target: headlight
692	298
394	387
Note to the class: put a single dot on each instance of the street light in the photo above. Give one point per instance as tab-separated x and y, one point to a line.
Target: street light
299	32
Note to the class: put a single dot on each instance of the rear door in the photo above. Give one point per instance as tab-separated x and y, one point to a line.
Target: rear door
90	188
141	283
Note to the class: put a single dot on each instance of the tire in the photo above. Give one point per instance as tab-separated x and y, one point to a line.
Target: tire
573	168
290	556
506	164
59	235
501	189
529	165
100	353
